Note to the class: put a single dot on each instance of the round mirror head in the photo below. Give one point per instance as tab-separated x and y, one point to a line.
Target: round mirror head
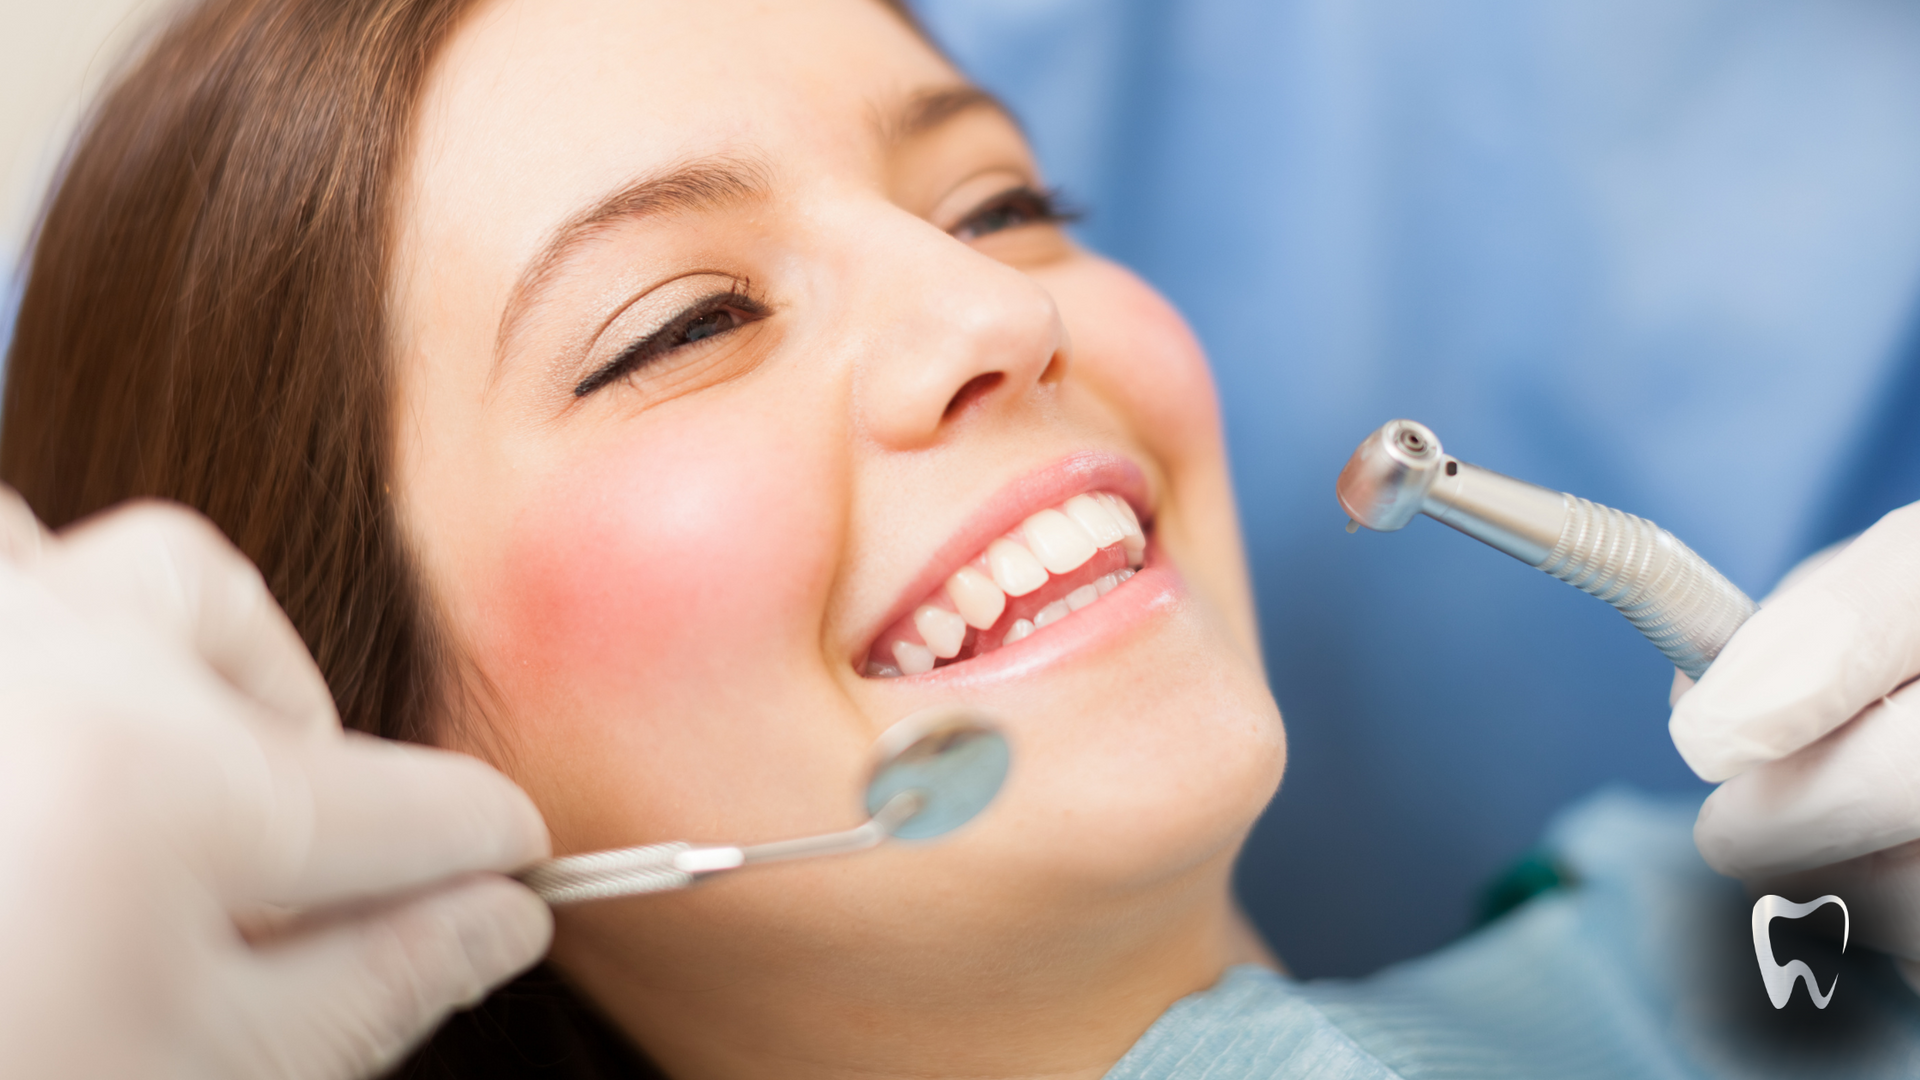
954	759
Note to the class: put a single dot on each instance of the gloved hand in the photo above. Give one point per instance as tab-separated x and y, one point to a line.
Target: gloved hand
1808	718
201	875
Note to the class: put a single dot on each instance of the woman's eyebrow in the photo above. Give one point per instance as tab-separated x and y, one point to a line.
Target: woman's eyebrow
929	109
691	188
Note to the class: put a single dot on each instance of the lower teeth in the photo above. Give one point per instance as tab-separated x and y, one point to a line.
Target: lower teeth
915	659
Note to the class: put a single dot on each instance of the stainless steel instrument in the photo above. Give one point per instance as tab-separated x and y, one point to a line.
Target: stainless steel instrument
933	772
1673	596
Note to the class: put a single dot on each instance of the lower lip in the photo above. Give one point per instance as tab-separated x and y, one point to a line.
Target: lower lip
1156	588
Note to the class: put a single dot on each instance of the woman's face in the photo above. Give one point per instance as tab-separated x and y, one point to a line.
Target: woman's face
731	337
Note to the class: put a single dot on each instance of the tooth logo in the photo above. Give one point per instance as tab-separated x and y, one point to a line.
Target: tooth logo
1781	977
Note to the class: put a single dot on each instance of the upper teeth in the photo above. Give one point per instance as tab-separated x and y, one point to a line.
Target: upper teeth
1053	541
1057	540
1014	568
977	597
942	630
1106	524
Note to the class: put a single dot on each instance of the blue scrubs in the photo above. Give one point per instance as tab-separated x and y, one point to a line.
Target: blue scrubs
1643	969
1660	253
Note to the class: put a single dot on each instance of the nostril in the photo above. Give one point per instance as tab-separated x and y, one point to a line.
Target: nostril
1056	367
976	388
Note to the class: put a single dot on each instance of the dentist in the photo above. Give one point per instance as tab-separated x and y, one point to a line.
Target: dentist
201	874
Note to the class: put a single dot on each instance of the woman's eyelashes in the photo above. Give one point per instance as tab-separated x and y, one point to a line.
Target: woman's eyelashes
1012	209
724	312
706	318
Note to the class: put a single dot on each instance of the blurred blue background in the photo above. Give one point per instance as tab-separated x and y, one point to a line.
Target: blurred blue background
1661	253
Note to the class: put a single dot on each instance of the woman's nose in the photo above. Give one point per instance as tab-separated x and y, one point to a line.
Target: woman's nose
964	333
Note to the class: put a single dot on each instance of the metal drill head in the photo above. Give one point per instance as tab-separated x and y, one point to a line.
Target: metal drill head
1388	477
1682	604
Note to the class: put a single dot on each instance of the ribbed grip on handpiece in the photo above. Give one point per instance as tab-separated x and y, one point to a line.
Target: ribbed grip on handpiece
1673	596
604	874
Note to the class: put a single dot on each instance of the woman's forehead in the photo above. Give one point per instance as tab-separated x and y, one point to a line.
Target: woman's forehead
555	101
538	110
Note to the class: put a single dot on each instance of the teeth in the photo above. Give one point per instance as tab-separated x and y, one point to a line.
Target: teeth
1051	543
913	659
980	601
1014	568
1136	538
942	630
1051	614
1099	522
1060	544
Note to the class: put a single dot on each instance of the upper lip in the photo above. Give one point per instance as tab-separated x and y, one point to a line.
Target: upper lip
1021	498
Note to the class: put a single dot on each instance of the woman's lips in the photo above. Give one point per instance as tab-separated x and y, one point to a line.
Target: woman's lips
1056	562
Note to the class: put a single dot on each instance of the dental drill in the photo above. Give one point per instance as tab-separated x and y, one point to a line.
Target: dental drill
1673	596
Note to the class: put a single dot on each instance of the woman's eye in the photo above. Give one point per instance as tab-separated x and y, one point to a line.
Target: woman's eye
708	325
707	318
1012	209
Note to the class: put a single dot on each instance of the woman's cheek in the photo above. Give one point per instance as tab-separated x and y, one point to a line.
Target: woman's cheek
673	560
1137	351
1138	354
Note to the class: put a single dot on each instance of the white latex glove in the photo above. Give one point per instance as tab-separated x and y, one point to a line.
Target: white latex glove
1804	717
201	875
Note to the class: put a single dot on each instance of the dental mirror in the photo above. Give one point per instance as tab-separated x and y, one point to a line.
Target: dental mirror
932	773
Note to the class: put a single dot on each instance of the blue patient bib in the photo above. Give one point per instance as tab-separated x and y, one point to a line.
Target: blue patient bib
1641	970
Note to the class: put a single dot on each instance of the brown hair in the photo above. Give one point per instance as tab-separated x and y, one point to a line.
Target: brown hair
204	318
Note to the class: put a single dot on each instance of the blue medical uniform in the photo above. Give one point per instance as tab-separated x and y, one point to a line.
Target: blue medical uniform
1660	253
1642	969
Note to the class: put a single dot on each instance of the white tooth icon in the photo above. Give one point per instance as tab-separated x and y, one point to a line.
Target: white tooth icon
1781	977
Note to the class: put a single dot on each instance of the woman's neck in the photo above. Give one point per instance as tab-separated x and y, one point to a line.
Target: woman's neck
1036	997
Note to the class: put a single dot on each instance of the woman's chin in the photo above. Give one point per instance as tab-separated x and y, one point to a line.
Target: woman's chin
1137	763
1128	810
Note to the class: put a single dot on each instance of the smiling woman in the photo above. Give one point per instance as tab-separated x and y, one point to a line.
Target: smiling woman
659	400
715	368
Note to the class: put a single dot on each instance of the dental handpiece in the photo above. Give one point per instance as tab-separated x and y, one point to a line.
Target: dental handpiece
1673	596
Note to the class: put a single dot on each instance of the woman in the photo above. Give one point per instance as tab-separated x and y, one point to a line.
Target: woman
657	401
604	426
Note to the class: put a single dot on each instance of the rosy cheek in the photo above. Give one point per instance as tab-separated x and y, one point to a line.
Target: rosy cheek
1129	341
656	564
